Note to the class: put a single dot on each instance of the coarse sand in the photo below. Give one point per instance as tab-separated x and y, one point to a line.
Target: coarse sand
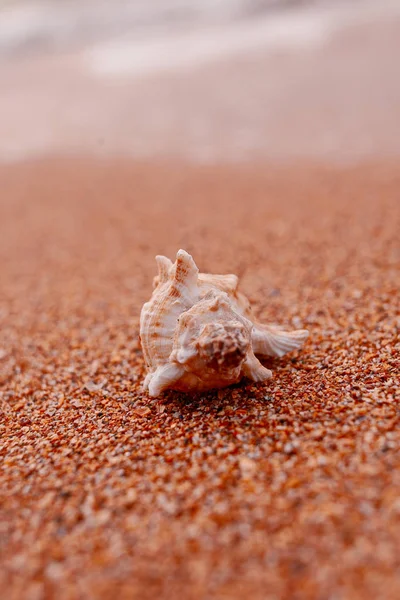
284	490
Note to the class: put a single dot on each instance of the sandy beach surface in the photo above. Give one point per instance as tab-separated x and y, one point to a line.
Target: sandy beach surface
288	489
263	137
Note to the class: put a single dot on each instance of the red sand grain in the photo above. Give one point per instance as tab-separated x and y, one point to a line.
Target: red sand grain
288	489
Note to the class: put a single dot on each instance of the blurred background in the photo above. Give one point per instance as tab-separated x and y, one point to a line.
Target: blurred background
206	80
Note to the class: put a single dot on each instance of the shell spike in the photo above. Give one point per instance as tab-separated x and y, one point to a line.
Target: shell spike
186	270
164	265
163	378
272	341
254	370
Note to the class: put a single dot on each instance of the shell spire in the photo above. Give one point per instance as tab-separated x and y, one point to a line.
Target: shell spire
198	332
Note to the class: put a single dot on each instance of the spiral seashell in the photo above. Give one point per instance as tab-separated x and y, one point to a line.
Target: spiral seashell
198	332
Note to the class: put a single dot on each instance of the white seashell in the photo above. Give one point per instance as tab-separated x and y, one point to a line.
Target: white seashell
198	332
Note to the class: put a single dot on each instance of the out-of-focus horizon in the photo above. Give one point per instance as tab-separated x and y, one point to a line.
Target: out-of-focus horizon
205	80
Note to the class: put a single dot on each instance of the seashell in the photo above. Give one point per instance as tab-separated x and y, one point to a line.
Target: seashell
198	332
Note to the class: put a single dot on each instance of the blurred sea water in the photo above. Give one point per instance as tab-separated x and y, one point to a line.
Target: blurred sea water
47	25
207	80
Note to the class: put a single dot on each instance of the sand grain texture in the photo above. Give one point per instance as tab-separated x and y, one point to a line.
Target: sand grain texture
288	489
